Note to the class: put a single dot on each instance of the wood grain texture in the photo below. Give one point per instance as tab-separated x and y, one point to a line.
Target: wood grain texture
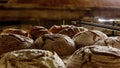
58	9
73	3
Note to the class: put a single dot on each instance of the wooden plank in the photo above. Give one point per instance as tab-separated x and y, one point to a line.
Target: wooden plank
54	3
70	3
100	25
39	14
108	3
58	9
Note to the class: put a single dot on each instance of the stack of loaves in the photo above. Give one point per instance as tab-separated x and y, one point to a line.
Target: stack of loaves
16	51
41	48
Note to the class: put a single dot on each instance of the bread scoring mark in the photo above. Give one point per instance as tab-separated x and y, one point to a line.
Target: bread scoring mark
105	41
78	34
95	35
118	41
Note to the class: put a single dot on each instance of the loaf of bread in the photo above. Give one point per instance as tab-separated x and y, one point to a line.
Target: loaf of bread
31	58
87	38
56	28
11	42
95	56
37	31
69	30
110	41
72	31
61	44
14	31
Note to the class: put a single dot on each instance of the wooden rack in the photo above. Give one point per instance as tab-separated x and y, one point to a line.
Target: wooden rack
113	28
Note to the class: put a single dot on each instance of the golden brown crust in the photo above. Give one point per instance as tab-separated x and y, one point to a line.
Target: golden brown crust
61	44
87	38
110	41
69	30
15	31
37	31
55	28
95	56
11	42
72	31
31	58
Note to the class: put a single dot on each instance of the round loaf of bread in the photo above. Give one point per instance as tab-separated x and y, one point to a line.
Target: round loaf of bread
110	41
72	31
15	31
37	31
95	56
55	28
10	42
31	58
87	38
61	44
